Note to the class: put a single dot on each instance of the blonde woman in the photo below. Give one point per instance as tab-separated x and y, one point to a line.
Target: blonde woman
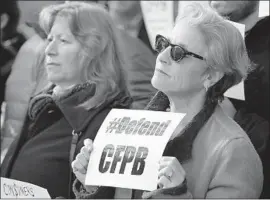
84	63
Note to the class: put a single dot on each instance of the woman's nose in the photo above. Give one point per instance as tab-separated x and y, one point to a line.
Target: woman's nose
51	48
164	56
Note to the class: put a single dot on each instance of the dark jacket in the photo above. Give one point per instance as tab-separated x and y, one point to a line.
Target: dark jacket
253	113
256	85
40	154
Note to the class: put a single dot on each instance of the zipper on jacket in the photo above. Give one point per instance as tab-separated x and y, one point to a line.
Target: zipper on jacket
74	141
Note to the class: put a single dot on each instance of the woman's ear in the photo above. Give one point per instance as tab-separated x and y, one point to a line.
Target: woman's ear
211	78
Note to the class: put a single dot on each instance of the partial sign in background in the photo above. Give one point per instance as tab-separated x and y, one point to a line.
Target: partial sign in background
128	147
13	189
158	18
264	8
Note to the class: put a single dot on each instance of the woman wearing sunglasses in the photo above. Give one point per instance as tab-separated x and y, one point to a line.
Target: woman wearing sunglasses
209	155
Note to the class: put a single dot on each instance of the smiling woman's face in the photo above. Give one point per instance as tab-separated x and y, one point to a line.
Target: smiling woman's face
187	75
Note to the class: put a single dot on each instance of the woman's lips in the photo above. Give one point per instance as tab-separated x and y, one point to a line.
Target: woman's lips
162	72
54	64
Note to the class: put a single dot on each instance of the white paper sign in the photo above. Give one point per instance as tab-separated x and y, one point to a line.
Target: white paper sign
11	188
128	147
263	8
158	18
237	91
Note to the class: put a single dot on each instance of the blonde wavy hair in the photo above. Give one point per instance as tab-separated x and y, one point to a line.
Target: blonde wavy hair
102	57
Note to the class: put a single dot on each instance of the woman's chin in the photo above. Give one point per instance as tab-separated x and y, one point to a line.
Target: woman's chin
159	84
54	79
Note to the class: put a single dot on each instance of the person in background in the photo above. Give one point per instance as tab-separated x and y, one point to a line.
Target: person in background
85	67
140	70
255	109
28	77
127	16
209	155
11	41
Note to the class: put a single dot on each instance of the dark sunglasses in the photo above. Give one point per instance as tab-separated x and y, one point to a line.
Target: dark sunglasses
177	52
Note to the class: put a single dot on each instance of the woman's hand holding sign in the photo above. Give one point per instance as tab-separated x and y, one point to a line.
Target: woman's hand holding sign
171	179
79	165
171	172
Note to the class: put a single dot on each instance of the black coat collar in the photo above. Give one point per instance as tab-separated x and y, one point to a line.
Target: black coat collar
71	104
